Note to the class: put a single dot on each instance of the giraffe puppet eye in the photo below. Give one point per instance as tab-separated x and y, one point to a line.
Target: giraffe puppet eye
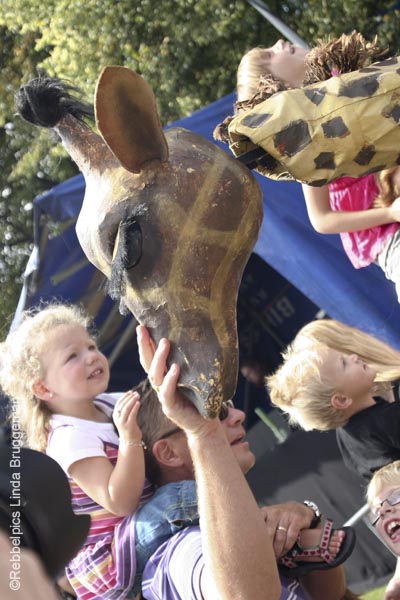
129	241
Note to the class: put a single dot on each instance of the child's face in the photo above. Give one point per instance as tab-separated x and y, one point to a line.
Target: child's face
386	509
348	374
286	62
75	370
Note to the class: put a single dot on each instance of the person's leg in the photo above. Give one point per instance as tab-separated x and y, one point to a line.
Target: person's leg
310	538
318	549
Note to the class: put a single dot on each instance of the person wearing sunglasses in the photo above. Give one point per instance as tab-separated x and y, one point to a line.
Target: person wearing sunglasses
383	497
233	552
174	503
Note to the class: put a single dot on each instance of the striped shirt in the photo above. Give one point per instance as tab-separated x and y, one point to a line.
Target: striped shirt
174	571
105	567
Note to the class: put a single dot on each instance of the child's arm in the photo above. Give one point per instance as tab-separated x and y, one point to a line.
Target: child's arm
326	220
117	489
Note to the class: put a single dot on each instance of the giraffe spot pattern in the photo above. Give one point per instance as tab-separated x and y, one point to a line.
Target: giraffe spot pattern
335	128
392	112
325	160
365	155
256	120
371	69
363	87
293	138
315	95
387	62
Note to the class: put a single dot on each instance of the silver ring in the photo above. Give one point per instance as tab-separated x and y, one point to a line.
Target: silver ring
280	528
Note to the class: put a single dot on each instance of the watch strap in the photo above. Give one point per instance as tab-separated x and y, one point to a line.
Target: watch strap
317	514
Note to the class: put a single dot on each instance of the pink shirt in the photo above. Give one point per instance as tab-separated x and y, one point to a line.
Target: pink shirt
349	193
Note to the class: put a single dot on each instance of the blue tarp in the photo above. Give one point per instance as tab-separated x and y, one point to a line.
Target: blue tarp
300	271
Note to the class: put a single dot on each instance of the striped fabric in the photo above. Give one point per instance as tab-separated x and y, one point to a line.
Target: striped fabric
174	571
105	568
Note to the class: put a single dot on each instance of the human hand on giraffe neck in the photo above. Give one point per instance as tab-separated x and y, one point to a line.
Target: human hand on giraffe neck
175	406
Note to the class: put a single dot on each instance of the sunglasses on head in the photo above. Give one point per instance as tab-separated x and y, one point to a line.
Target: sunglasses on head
224	410
392	500
223	413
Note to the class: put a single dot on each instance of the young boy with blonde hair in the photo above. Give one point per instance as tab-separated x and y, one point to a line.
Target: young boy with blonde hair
333	377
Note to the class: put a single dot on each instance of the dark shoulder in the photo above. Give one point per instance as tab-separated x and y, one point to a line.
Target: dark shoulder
371	417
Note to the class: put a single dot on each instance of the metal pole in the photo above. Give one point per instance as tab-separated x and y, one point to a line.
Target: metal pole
278	24
357	516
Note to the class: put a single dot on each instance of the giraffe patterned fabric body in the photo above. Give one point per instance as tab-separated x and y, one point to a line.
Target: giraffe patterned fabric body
345	126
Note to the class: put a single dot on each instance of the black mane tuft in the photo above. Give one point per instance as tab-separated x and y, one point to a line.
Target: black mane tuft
45	100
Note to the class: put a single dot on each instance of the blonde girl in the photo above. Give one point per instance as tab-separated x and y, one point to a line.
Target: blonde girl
56	378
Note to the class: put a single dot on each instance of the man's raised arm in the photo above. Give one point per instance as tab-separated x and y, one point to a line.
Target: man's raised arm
238	553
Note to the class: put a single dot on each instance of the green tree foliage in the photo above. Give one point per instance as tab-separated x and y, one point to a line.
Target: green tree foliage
27	168
315	19
188	50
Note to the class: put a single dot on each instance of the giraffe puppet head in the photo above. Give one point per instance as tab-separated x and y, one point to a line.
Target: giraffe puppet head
170	219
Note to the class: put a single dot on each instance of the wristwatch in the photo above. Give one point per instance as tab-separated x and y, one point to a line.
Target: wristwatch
317	515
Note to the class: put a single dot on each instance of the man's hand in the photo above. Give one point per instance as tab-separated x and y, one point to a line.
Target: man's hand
175	406
392	591
284	523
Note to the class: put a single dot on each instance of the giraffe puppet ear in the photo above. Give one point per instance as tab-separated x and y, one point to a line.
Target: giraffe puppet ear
127	118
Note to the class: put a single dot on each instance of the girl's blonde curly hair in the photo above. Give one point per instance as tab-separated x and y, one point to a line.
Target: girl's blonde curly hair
21	365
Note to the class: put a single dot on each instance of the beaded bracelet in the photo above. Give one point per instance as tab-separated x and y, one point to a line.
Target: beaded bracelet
129	443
